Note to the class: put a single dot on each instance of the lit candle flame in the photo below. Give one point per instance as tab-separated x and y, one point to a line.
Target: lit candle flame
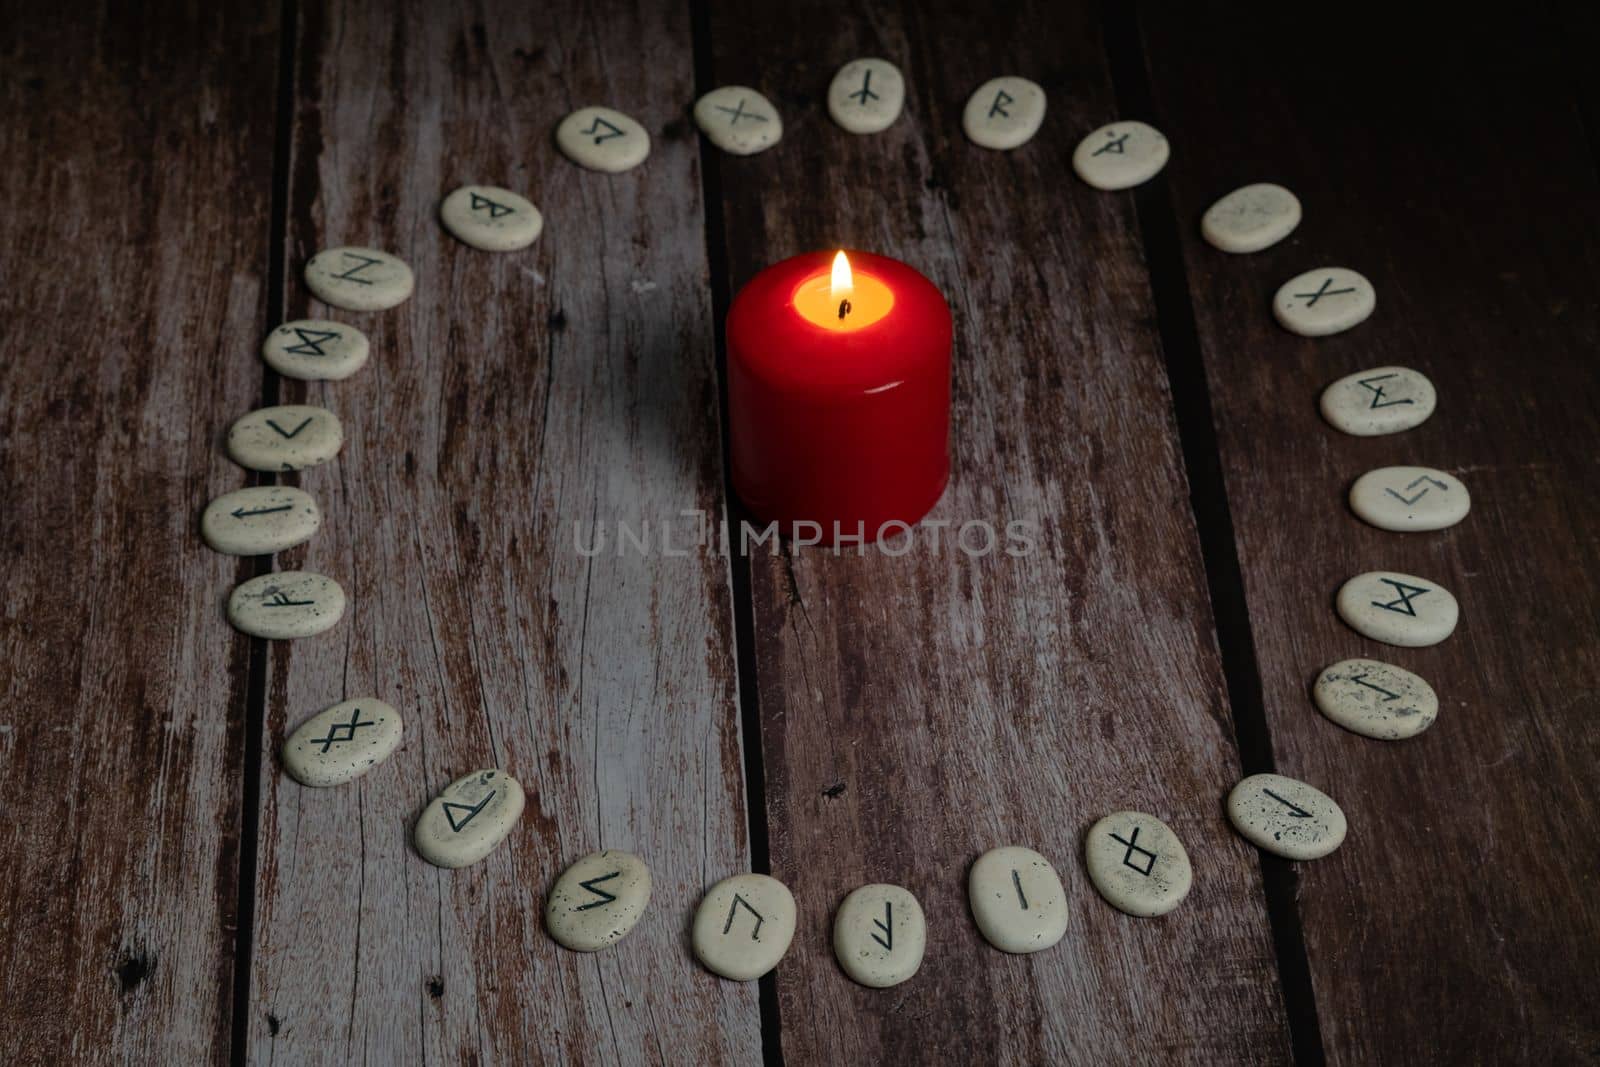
841	300
843	283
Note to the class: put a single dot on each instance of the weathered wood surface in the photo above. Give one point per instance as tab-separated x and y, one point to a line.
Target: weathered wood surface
914	711
132	279
917	711
512	396
1459	922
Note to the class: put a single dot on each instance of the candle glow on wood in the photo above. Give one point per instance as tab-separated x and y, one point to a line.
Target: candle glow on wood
840	301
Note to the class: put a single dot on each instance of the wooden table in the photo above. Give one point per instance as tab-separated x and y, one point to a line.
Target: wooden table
170	897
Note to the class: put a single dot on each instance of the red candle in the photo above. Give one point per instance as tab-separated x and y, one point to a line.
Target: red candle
839	395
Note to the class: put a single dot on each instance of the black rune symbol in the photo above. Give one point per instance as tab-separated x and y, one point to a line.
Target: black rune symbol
493	207
864	93
288	434
593	886
340	732
365	262
1408	500
594	130
1016	880
755	934
887	941
1323	291
739	112
1361	680
1001	99
1294	809
451	807
241	513
1134	846
311	341
1401	604
280	599
1377	391
1114	145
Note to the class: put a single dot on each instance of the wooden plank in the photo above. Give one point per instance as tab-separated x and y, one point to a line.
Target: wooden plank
136	166
512	396
1449	167
918	711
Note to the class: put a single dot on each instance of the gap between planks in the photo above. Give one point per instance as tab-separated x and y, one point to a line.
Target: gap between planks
1213	519
755	777
256	676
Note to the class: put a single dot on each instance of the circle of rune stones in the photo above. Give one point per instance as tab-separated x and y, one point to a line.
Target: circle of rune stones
1406	611
1365	696
744	924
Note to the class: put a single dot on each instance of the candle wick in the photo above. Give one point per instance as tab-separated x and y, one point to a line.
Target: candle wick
844	308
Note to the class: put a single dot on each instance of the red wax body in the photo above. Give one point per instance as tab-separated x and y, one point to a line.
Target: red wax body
847	429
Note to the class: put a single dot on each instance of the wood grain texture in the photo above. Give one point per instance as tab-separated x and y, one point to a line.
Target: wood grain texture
132	253
1459	921
512	396
918	711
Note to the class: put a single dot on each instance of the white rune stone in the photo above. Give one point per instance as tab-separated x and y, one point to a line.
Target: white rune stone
1398	609
1286	817
1324	301
743	926
286	604
260	520
879	935
358	279
464	823
491	218
1137	863
600	138
1017	899
1379	401
738	120
866	95
598	900
315	350
342	743
286	438
1375	699
1251	218
1004	113
1409	498
1121	155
